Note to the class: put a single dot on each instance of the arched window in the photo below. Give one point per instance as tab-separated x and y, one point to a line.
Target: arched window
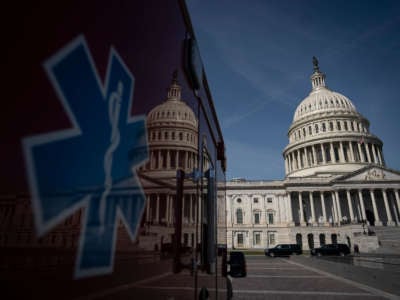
322	239
239	216
310	238
323	127
330	126
299	240
334	238
316	128
309	130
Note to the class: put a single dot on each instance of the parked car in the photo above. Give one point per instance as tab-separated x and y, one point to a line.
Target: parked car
284	250
331	249
237	264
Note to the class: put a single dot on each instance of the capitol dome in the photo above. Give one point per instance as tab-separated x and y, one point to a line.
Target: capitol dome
172	134
328	136
323	100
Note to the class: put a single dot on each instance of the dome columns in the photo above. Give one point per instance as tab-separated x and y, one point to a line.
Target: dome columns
331	153
168	159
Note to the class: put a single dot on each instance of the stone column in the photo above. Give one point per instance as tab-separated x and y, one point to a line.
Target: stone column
334	211
350	205
353	159
341	156
290	162
379	155
191	210
361	199
388	214
362	157
339	210
376	215
396	216
301	210
286	165
368	154
159	160
314	154
323	206
293	161
167	218
290	213
306	157
396	193
152	160
148	219
332	152
374	154
312	208
168	159
323	154
158	209
298	159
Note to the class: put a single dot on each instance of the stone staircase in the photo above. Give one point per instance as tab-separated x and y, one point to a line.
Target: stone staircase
389	239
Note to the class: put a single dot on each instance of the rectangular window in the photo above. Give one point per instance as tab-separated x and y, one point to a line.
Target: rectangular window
240	239
257	218
270	218
257	239
239	216
255	200
269	200
271	238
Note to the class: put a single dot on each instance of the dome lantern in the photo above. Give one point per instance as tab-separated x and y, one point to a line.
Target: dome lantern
317	78
174	92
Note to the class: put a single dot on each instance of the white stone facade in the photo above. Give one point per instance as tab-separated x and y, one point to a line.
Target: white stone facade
336	182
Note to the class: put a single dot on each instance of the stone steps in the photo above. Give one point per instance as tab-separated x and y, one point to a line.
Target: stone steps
389	239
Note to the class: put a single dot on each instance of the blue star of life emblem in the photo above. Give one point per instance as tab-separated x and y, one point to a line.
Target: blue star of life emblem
79	167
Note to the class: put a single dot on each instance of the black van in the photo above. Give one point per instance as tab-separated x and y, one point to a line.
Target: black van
283	250
331	249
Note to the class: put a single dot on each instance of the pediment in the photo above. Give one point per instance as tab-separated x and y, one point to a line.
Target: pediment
372	174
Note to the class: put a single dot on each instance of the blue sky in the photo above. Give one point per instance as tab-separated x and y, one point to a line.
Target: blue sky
258	60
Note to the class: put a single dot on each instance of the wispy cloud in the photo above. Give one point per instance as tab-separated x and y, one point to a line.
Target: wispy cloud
361	38
241	153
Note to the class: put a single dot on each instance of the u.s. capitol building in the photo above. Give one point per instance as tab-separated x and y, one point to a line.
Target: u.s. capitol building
337	187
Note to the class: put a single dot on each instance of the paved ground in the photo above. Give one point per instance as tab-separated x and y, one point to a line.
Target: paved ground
299	278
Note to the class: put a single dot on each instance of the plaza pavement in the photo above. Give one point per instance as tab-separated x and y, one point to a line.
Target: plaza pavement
304	277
